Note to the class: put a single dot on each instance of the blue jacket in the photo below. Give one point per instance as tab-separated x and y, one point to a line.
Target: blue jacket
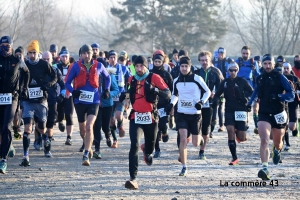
114	89
126	75
245	70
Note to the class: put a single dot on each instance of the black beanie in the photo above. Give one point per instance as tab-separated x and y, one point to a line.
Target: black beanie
158	57
133	58
183	53
19	50
86	48
280	59
141	60
175	51
185	60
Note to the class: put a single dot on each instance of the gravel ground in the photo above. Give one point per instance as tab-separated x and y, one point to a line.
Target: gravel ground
63	176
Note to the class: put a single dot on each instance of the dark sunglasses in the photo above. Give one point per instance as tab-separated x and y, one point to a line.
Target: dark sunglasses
232	70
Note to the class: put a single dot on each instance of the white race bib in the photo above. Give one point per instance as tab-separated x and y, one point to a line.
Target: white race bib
65	71
240	116
206	104
281	118
116	98
35	93
186	103
161	112
143	118
5	99
86	96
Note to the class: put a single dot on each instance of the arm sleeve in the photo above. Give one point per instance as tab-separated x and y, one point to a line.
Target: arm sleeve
248	87
207	91
289	94
25	77
219	91
70	77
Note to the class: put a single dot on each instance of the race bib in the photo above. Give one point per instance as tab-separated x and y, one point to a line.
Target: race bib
5	99
161	112
240	116
116	98
206	104
281	118
143	118
86	96
186	103
65	71
35	93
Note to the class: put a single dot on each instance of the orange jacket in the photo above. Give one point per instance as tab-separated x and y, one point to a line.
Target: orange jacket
296	71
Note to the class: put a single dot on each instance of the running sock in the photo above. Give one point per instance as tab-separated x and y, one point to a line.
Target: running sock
26	142
201	151
265	165
184	165
86	153
255	119
232	148
287	138
69	137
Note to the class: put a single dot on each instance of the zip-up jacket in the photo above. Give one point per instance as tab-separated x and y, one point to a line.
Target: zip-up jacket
121	80
114	89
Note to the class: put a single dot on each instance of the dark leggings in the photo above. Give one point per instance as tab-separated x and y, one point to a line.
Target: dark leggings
7	113
162	128
52	115
135	133
206	120
102	121
66	108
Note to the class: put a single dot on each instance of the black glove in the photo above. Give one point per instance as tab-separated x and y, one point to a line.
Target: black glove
122	97
154	91
105	94
59	99
214	104
24	93
76	93
274	97
249	107
198	105
45	87
168	108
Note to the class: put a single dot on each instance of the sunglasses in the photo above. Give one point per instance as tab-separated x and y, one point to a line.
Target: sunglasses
232	70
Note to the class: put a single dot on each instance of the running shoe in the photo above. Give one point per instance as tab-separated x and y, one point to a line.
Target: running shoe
48	154
12	151
256	130
3	166
156	154
264	174
85	161
148	158
211	135
165	137
61	127
131	184
183	172
17	132
295	133
68	141
108	142
121	131
202	156
115	144
286	148
234	162
97	155
25	162
221	129
276	156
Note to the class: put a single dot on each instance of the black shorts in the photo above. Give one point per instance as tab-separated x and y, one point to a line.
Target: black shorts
239	125
84	110
292	113
190	122
271	120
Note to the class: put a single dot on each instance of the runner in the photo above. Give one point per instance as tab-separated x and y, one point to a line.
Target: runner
35	106
236	118
144	89
191	92
271	115
85	74
10	69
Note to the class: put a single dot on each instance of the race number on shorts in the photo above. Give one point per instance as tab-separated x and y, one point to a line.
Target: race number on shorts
86	96
35	93
206	104
281	118
240	116
186	103
143	118
5	99
161	112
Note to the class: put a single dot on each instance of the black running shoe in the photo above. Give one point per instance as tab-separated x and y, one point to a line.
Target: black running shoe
68	141
156	154
276	156
132	185
264	174
25	162
165	137
108	142
61	127
183	172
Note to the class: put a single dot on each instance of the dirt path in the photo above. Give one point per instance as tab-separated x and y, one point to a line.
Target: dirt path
63	176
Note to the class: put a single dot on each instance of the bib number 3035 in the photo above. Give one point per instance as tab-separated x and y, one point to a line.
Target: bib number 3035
240	116
143	118
5	99
281	118
35	93
86	96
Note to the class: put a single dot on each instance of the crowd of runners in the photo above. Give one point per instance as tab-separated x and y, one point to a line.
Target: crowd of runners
39	90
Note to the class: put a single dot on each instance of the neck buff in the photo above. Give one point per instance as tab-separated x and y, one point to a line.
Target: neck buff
140	78
34	62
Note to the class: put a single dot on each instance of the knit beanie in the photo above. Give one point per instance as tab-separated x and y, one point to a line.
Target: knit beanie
141	60
34	46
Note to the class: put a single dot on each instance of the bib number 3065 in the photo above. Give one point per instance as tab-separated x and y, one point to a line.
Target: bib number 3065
143	118
5	99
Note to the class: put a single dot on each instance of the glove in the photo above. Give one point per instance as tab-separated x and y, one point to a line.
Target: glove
45	87
122	97
76	93
198	105
274	97
168	108
105	94
249	107
24	93
214	104
60	98
154	91
63	93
